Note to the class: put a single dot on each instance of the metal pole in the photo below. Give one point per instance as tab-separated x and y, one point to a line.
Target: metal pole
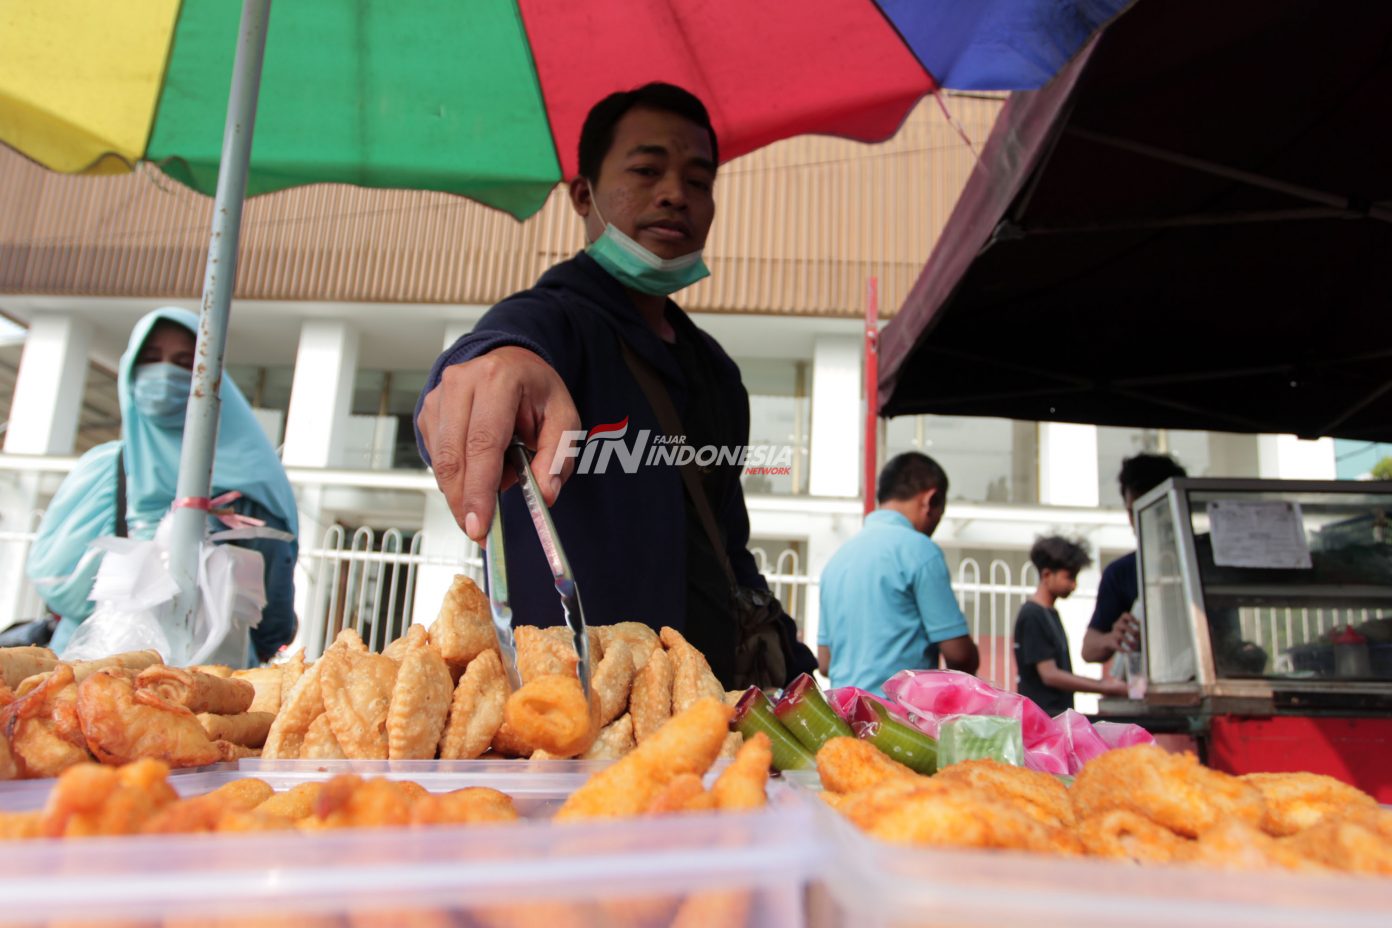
872	390
201	421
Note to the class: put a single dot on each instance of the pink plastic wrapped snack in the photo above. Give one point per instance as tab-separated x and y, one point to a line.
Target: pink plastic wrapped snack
1084	741
1122	734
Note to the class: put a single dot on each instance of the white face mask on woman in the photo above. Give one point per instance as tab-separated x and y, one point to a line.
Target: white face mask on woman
161	393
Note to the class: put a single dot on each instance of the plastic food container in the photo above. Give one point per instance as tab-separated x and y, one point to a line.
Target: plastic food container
874	884
714	869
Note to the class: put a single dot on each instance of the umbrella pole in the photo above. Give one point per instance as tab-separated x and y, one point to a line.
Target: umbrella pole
872	390
201	420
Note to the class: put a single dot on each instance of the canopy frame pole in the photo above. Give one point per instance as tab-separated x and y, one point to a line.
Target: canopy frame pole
201	420
872	390
1371	210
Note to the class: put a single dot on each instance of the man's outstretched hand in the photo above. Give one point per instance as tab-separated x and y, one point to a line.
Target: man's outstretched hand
468	421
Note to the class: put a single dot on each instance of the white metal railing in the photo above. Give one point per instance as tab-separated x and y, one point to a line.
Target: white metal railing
990	606
14	554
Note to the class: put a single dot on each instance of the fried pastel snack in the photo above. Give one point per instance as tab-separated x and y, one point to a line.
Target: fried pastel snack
726	907
295	803
469	806
950	815
551	713
1123	835
349	801
1296	801
302	705
291	671
319	742
741	785
1234	845
476	711
214	670
642	641
1172	790
90	800
688	743
1039	795
614	740
540	654
849	765
42	729
121	724
612	681
204	813
691	674
650	701
420	700
196	691
733	742
231	751
266	683
133	661
249	729
357	697
1359	843
17	664
464	628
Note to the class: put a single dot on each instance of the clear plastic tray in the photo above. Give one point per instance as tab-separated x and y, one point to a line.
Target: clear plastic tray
745	869
875	884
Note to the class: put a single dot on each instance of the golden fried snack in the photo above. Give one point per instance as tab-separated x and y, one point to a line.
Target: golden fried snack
9	768
90	799
688	743
1296	801
29	684
291	670
1038	795
357	697
559	913
42	728
650	701
476	712
214	670
680	792
121	724
133	661
295	803
303	703
733	742
257	918
18	663
1234	845
508	743
7	695
400	918
249	729
231	751
636	911
205	813
691	674
541	654
725	907
319	742
464	628
420	701
1124	835
612	680
642	641
942	814
741	785
551	713
1358	844
348	801
20	826
1172	790
198	692
252	821
848	765
470	806
266	683
614	741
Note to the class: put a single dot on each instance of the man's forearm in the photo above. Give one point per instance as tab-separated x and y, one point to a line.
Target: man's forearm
1070	682
1097	646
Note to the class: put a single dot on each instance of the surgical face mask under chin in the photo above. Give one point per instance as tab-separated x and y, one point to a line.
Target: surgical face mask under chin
638	268
161	393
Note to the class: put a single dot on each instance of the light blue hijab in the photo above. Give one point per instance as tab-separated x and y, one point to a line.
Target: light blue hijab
84	508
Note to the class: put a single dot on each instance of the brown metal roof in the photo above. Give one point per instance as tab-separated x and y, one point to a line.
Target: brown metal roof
801	225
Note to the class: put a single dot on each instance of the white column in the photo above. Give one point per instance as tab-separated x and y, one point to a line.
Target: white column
837	411
48	390
1067	464
1286	457
321	394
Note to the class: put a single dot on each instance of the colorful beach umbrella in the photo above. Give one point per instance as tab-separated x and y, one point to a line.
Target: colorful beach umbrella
485	98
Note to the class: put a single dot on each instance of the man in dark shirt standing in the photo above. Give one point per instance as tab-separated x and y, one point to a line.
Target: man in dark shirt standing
1041	647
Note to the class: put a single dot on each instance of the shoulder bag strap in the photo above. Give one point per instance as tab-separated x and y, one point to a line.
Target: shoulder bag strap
121	493
661	401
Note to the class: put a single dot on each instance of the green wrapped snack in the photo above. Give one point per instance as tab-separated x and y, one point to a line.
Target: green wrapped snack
754	714
970	737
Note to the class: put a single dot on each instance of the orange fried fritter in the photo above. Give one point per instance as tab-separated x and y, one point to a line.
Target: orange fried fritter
122	724
1124	835
551	713
681	791
1296	801
42	728
1357	844
205	813
1172	790
1233	845
1038	795
90	799
946	815
16	826
740	786
295	803
349	801
469	806
848	765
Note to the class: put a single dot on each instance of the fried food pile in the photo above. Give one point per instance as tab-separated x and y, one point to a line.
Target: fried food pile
1140	804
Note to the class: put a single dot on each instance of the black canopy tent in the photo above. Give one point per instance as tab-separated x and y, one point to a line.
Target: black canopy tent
1191	227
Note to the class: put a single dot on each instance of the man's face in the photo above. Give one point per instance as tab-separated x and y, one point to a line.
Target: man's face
1059	583
1129	500
934	507
656	184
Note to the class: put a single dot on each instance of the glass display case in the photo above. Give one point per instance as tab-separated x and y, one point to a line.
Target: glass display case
1267	592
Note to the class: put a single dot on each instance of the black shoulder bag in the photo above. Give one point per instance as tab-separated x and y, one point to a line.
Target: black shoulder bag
762	646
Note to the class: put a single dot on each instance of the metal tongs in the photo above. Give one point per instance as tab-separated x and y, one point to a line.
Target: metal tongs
516	457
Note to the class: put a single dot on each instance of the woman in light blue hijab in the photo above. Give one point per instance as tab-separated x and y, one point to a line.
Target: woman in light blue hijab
153	384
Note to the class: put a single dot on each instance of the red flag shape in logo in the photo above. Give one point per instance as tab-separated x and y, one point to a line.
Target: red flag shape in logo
609	430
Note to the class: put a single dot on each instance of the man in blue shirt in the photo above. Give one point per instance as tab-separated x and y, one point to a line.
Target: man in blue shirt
887	602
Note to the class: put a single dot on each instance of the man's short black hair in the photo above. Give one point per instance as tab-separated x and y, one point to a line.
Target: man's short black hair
1058	553
909	474
597	135
1144	472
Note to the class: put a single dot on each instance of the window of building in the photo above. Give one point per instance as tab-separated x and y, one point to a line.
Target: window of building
987	460
381	432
